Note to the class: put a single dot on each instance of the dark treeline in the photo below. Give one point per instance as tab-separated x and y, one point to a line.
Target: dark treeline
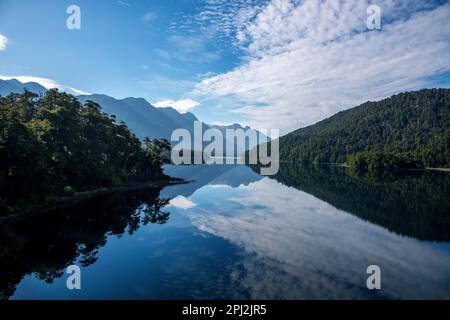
53	145
383	163
414	204
415	125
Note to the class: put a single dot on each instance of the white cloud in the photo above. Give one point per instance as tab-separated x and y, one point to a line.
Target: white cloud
307	60
205	75
149	17
165	86
47	83
192	49
3	42
181	202
183	105
320	250
123	3
217	20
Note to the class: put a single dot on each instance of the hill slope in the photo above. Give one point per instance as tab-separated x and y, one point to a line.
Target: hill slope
417	123
142	118
148	121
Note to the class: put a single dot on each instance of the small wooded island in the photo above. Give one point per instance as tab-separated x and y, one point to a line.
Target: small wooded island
52	146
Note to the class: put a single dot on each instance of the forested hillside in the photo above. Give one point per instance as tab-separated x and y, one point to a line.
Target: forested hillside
413	124
54	145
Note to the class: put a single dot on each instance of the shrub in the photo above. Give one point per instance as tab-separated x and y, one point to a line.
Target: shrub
69	191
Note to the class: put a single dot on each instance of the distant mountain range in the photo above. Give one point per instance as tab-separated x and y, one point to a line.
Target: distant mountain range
141	117
15	86
416	124
412	123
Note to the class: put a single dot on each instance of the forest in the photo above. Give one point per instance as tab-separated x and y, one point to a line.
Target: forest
53	145
413	127
380	163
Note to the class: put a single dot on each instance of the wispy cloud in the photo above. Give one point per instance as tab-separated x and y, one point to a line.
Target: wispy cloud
305	61
47	83
163	54
164	87
149	17
193	49
123	3
3	42
218	20
183	105
205	75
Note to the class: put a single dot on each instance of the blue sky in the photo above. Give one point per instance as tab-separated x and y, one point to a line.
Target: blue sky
267	63
124	48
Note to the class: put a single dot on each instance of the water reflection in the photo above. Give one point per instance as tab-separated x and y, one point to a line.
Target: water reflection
415	204
44	246
305	233
300	241
297	246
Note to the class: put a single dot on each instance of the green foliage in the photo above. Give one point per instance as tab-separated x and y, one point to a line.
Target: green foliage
68	190
52	142
380	162
413	123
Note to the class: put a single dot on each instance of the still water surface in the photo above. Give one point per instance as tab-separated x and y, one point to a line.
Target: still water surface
307	233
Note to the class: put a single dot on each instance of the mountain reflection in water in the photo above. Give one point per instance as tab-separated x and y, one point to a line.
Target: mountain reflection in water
308	232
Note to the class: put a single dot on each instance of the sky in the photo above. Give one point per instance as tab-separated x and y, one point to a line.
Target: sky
270	64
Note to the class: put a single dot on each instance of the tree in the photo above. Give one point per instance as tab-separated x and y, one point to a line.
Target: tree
53	143
381	162
156	154
412	123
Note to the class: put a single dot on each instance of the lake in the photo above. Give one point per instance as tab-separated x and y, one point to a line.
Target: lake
306	233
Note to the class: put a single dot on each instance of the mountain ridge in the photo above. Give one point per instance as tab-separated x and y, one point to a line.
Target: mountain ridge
15	86
415	123
144	119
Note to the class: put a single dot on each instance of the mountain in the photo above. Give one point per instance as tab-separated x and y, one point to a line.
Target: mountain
148	121
413	123
184	120
15	86
141	117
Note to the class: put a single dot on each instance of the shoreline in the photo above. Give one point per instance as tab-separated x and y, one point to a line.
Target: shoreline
438	169
79	197
347	166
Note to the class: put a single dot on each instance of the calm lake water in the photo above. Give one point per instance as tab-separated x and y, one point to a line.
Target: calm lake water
307	233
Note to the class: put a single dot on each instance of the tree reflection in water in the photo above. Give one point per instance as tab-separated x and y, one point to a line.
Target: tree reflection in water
45	245
414	204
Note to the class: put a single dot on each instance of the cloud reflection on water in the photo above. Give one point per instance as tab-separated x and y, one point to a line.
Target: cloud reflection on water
297	246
